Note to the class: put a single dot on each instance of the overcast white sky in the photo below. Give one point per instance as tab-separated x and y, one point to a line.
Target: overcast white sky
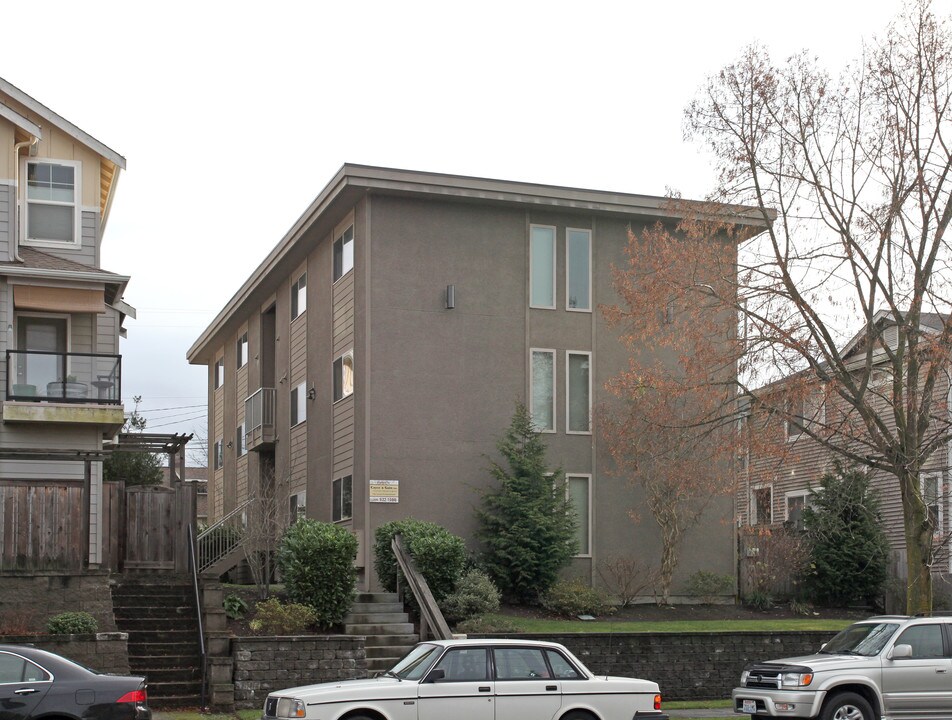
232	117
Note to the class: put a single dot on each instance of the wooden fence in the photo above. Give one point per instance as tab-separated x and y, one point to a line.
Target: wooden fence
43	527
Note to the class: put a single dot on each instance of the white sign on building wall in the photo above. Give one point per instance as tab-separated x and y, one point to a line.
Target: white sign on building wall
385	491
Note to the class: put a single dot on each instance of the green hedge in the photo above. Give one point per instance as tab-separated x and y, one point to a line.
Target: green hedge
317	564
438	554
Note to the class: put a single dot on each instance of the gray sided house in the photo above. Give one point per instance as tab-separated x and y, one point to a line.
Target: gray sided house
779	474
62	316
374	357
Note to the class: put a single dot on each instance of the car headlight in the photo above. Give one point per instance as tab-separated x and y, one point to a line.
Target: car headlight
743	677
795	680
291	708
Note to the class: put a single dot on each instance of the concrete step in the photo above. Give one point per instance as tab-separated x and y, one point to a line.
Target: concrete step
378	629
375	618
387	651
382	597
375	607
403	640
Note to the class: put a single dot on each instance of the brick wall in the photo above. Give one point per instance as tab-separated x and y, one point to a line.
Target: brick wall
687	666
263	664
106	652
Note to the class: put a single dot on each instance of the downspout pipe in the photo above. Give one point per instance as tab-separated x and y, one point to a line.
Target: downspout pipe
16	188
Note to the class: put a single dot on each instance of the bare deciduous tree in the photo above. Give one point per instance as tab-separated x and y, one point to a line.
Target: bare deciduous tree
852	176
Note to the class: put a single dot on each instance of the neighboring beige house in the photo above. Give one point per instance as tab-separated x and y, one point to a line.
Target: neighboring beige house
375	356
784	466
63	316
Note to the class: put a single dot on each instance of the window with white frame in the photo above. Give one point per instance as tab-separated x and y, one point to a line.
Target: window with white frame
579	490
298	404
761	505
299	296
542	266
241	351
796	501
219	454
240	447
219	372
343	499
542	389
932	496
53	197
578	269
578	384
344	253
344	376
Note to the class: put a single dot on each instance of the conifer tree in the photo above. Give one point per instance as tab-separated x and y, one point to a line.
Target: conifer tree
527	525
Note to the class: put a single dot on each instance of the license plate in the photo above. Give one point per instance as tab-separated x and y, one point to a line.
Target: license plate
749	706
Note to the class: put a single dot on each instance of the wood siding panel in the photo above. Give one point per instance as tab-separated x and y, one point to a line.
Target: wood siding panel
344	314
6	219
298	351
299	457
219	434
343	443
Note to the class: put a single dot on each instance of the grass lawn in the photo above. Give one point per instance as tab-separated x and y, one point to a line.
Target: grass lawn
512	623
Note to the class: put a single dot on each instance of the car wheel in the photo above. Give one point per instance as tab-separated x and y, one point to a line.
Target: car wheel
577	715
847	706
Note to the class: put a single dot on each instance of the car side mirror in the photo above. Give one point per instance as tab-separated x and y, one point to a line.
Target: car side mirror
436	675
901	651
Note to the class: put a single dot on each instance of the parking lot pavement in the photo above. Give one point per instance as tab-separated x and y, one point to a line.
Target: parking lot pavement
701	713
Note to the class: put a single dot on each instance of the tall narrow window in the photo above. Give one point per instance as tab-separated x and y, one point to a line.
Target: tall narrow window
240	447
299	296
797	501
542	383
241	351
579	495
298	406
344	253
578	269
343	376
579	391
52	203
343	503
542	266
298	509
932	497
219	372
761	505
219	455
42	342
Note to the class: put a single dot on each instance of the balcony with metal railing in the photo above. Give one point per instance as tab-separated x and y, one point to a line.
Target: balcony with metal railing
63	387
259	420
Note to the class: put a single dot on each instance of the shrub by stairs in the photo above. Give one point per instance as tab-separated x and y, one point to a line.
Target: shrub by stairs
380	617
160	617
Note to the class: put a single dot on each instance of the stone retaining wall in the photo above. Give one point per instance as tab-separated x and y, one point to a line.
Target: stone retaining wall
36	598
687	666
263	664
106	652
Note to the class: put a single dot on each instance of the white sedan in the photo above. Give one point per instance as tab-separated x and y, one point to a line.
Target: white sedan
476	680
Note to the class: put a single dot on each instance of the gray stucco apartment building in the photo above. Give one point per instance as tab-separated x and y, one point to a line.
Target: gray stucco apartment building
374	357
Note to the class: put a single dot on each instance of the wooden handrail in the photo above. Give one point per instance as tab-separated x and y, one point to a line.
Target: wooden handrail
430	616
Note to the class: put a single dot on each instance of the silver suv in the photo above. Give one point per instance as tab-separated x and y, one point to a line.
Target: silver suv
891	666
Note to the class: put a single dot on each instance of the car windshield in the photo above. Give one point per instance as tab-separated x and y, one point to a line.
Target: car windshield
861	639
415	663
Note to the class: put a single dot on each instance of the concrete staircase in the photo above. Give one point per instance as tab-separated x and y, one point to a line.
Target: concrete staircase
381	619
160	616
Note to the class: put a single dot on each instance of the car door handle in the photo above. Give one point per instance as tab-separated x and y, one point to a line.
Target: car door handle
24	691
551	687
942	670
485	689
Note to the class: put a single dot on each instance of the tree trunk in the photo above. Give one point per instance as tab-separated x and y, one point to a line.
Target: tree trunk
918	533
